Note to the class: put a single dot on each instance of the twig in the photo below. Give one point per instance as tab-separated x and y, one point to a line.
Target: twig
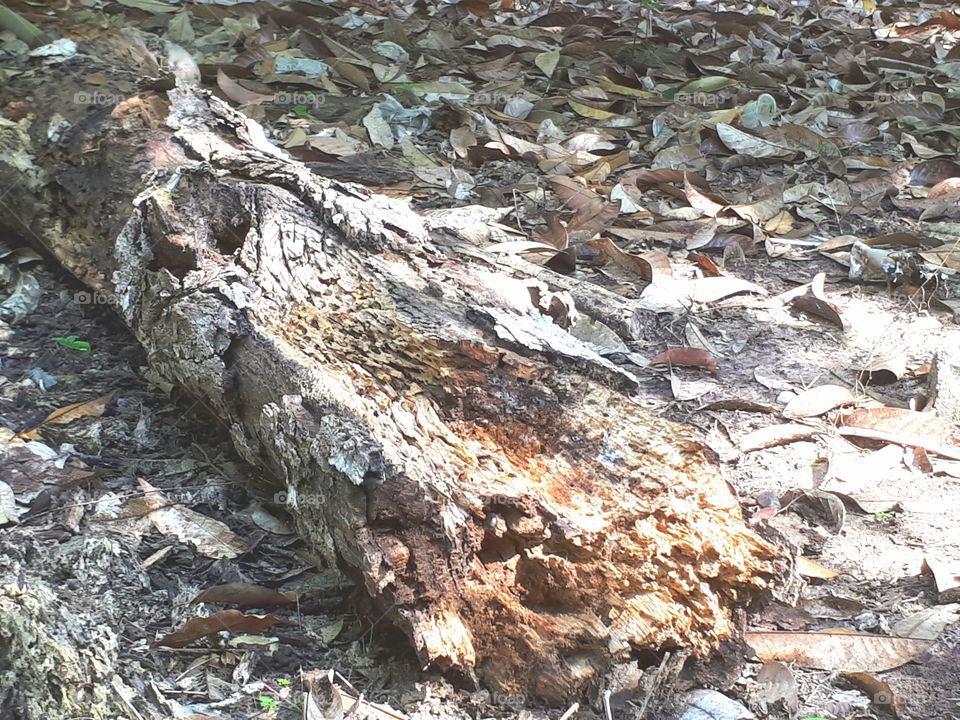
653	685
571	711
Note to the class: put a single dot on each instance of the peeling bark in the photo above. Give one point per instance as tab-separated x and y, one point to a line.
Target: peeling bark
488	476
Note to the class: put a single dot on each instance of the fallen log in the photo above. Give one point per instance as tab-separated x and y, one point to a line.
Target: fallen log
490	478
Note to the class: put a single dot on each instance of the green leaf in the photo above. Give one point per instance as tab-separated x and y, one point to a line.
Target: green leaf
267	702
73	342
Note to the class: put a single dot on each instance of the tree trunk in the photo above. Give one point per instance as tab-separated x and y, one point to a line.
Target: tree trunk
489	476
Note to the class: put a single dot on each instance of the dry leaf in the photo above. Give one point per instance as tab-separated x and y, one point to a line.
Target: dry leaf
816	401
231	620
946	576
687	357
210	537
808	568
69	413
239	94
246	595
903	423
842	651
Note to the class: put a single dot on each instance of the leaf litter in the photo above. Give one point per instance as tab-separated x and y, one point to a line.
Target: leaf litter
776	175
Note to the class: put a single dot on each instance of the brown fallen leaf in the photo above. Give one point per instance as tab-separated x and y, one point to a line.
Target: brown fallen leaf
903	422
817	507
711	289
237	93
945	188
574	195
708	266
230	620
665	176
649	266
835	650
687	357
928	623
811	305
934	172
742	405
69	413
246	595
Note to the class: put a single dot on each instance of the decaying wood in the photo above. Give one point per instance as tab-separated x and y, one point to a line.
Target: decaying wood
490	477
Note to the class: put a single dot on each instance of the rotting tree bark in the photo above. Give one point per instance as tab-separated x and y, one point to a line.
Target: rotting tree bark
486	474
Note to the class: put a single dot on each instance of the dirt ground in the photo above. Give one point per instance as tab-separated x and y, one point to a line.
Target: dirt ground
113	576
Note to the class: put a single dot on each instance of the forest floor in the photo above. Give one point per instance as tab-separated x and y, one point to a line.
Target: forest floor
798	157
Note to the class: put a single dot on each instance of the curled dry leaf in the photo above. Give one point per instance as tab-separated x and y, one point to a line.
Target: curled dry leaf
210	537
687	357
230	620
819	507
820	308
886	369
814	302
708	204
